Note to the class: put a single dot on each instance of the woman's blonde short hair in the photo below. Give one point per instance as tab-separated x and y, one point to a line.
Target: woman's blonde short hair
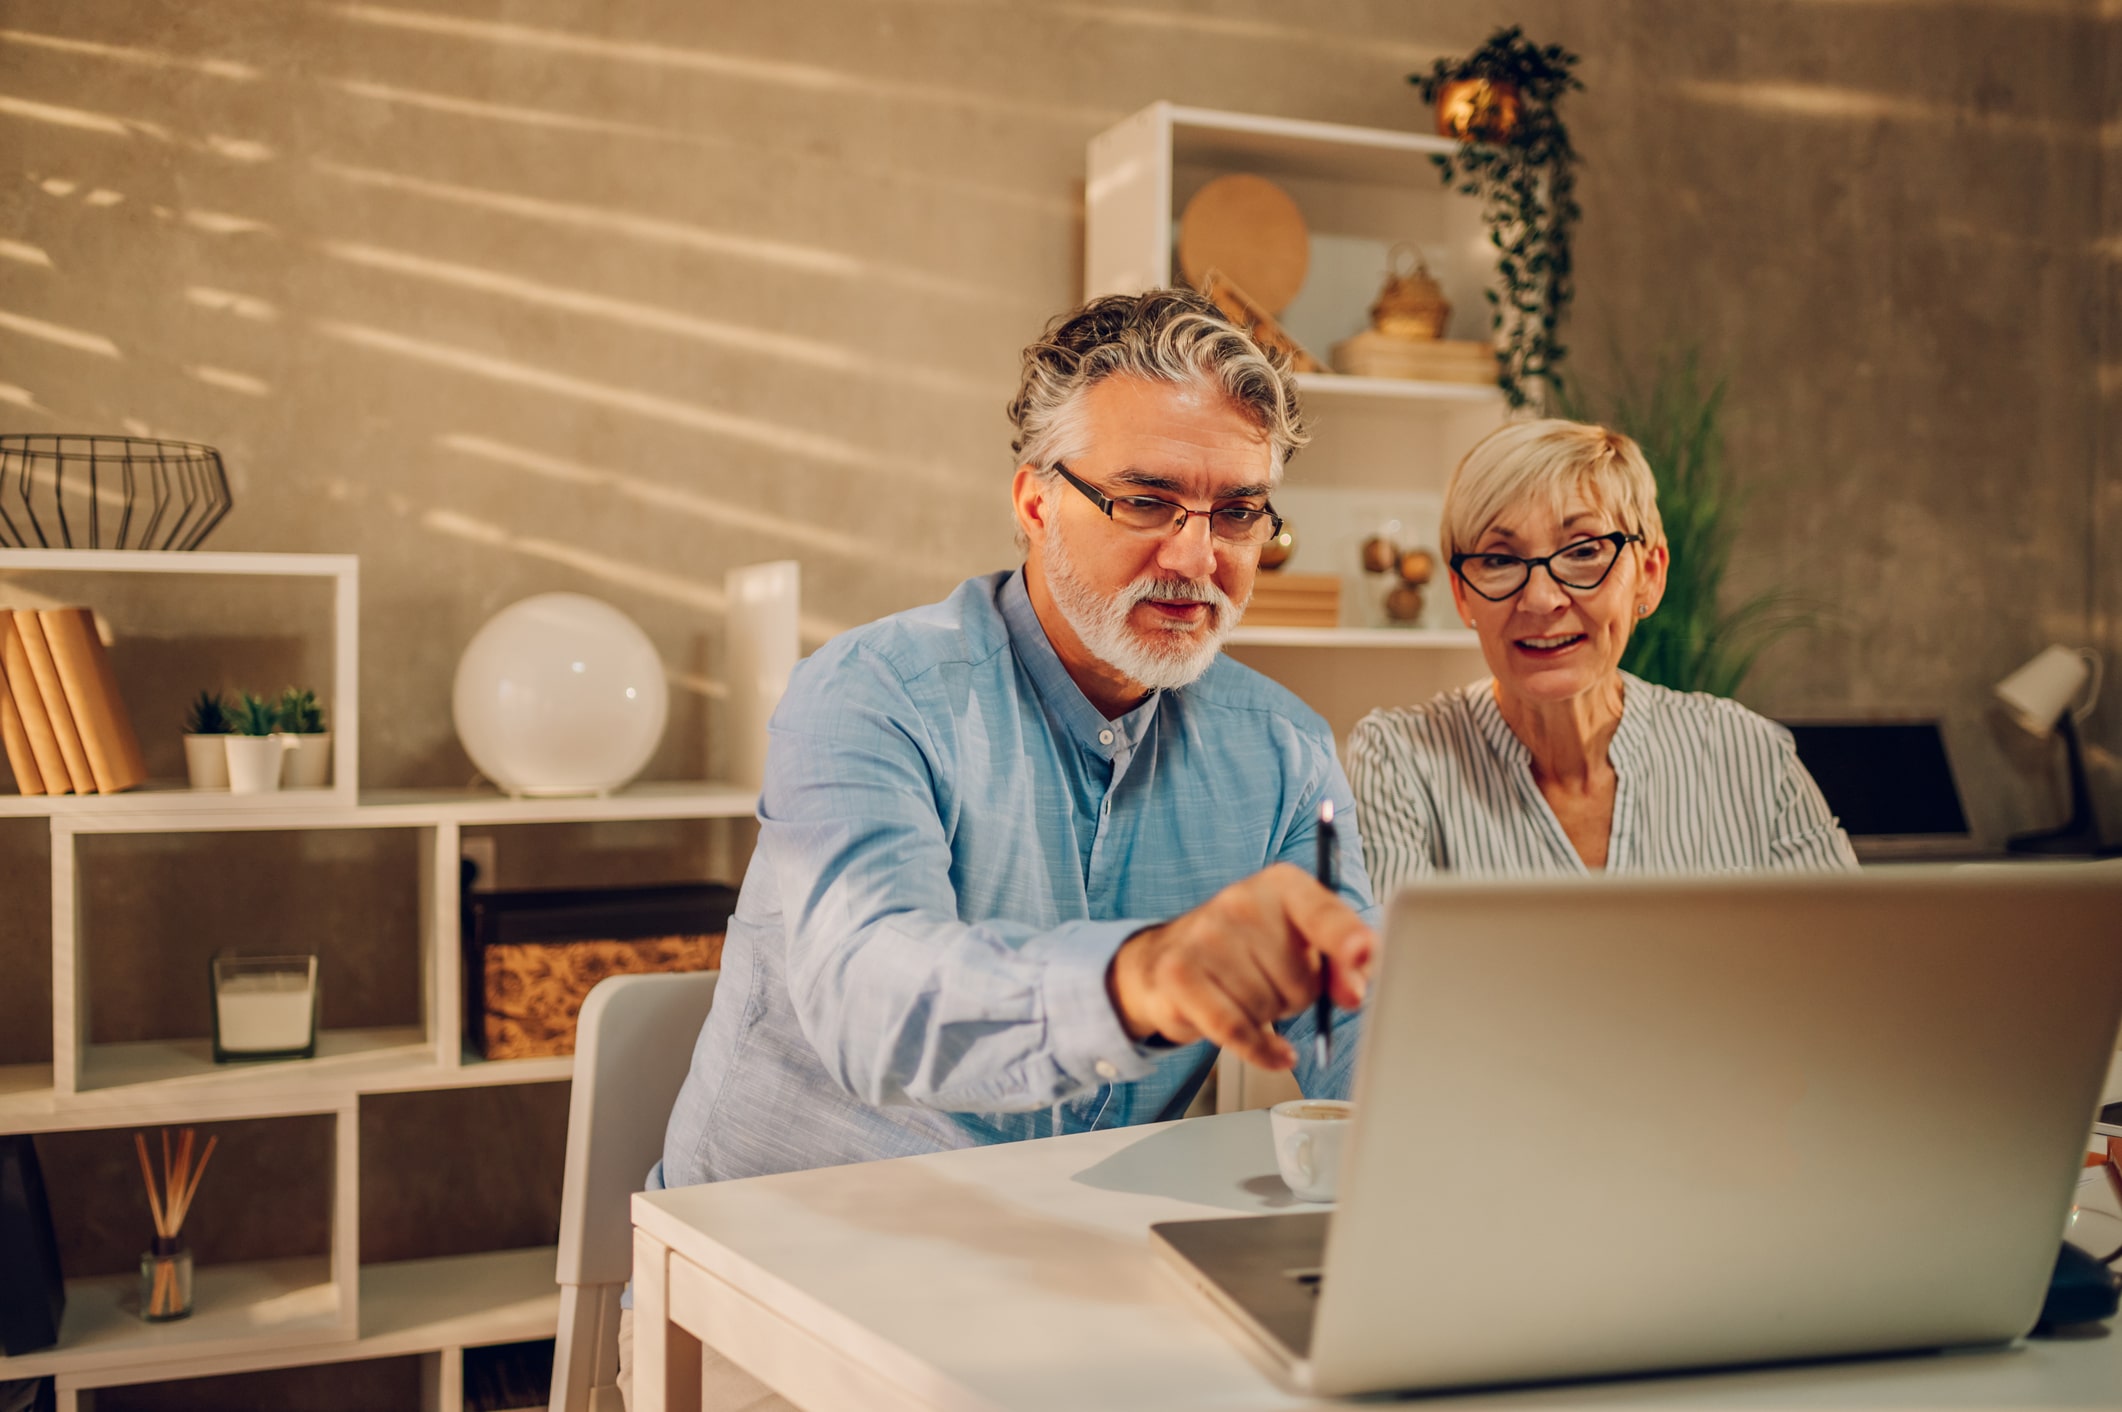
1546	463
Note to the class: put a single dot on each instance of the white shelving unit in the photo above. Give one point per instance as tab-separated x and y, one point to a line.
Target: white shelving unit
1382	448
325	1309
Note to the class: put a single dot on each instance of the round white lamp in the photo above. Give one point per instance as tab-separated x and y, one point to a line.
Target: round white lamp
560	694
2043	697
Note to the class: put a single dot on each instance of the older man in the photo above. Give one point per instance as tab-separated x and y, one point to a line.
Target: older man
1028	856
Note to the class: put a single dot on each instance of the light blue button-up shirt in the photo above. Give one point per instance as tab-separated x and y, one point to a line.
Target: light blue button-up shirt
953	843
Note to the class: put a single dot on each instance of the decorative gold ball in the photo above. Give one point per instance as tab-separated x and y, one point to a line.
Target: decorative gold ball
1417	566
1275	553
1379	554
1404	604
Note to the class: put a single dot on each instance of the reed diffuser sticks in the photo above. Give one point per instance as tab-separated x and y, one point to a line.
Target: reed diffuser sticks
166	1270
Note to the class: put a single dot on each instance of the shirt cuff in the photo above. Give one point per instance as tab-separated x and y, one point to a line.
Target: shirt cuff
1089	1044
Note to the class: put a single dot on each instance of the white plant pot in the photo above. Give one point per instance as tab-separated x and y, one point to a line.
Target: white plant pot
254	763
206	761
309	760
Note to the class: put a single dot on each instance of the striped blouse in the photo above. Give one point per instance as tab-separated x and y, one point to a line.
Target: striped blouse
1702	785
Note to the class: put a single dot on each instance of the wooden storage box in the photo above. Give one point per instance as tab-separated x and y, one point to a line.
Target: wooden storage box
1282	600
531	956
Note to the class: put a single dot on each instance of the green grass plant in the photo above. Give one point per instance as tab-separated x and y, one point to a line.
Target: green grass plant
1694	641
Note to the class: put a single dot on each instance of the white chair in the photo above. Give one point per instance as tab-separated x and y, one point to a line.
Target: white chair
632	1049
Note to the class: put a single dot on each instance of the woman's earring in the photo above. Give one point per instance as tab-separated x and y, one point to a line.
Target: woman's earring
1643	610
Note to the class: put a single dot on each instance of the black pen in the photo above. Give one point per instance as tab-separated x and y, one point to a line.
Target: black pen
1323	1007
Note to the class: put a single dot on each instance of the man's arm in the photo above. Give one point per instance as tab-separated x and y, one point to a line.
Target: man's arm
903	1002
1243	968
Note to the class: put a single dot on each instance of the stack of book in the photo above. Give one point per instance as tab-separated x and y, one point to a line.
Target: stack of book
1286	600
61	719
1373	354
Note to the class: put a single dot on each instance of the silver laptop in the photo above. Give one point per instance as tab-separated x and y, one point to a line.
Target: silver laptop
1890	785
1618	1126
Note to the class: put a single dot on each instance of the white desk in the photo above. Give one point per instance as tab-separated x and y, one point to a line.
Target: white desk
1020	1277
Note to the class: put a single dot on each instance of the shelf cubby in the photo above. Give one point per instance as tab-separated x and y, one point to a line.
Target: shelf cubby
142	911
426	1311
273	1234
186	621
372	1384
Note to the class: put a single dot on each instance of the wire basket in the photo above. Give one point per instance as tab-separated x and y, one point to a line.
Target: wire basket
62	492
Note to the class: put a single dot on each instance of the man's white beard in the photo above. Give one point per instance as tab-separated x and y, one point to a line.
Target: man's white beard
1158	658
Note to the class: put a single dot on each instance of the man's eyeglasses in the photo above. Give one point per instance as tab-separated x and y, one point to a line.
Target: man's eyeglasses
1146	514
1582	566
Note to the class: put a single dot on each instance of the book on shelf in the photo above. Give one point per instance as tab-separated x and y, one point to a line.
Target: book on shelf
20	759
29	705
46	674
84	668
1285	600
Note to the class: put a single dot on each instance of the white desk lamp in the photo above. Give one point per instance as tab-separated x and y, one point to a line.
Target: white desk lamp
2042	697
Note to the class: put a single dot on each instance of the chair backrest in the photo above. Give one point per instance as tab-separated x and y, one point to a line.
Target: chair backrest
632	1049
633	1046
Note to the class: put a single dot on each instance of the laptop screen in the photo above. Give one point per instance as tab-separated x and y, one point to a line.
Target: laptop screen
1882	777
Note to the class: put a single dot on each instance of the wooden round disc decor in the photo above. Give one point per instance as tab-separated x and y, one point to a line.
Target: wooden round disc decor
1248	228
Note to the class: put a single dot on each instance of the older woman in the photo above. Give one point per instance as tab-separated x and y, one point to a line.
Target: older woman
1562	762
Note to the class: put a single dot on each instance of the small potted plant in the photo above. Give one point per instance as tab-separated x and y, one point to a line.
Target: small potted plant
255	747
206	726
1502	103
309	744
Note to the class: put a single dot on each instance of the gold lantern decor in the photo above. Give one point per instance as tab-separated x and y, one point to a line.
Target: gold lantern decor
1477	109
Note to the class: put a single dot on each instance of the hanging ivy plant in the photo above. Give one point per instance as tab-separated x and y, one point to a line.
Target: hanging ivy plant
1514	154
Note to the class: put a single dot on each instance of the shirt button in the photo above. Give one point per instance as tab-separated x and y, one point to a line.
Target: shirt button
1105	737
1106	1069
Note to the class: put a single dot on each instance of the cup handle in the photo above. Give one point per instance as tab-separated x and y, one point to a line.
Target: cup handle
1299	1148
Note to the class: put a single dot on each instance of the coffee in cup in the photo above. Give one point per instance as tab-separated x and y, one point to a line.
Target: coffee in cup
1310	1135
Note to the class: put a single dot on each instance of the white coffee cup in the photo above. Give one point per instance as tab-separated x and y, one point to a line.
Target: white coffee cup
1310	1135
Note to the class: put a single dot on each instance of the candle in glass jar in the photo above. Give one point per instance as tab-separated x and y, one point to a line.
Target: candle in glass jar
265	1007
264	1012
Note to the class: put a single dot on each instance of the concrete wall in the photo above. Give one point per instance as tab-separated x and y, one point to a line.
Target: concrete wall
1879	219
610	297
543	295
516	295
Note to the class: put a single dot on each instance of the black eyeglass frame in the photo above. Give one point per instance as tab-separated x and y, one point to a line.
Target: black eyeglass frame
1106	502
1620	539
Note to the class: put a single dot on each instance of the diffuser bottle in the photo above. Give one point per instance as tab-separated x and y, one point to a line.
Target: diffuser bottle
165	1281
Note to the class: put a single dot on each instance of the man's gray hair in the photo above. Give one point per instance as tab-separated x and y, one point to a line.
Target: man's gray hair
1163	335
